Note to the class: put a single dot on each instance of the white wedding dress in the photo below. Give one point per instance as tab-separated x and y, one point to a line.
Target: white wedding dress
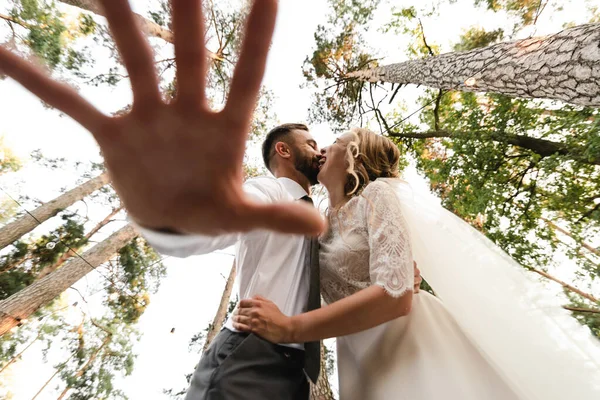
450	348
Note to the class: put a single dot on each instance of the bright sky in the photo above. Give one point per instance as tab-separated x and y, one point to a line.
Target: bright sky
189	296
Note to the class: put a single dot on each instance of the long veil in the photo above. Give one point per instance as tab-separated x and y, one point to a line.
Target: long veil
542	351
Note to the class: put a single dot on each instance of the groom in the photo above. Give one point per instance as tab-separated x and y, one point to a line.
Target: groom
177	167
280	267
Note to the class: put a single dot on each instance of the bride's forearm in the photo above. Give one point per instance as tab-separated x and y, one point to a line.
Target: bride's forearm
363	310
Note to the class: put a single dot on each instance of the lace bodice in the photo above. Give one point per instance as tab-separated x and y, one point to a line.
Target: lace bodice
366	244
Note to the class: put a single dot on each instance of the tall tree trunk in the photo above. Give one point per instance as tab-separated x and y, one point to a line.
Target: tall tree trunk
26	223
150	27
23	303
322	389
564	66
68	254
222	310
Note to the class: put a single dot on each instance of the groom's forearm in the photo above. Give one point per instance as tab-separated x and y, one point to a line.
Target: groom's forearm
179	244
363	310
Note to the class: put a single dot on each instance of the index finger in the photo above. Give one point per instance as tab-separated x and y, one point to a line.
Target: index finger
58	95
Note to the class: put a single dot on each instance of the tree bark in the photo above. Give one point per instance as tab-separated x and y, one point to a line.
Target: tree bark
222	310
150	27
68	254
23	303
322	390
26	223
564	66
542	147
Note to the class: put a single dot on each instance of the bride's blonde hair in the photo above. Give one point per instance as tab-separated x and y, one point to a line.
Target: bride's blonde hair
369	156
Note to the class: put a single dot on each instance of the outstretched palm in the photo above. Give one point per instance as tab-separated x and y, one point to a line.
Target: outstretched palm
178	165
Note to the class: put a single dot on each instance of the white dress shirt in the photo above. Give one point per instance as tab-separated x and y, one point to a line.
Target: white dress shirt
269	264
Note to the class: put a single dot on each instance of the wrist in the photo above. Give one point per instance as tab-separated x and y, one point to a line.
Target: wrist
293	329
158	229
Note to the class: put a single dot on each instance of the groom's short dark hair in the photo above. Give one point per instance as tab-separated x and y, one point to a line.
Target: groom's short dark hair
275	135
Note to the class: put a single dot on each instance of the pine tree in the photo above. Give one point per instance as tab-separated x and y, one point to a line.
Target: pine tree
559	66
23	303
23	225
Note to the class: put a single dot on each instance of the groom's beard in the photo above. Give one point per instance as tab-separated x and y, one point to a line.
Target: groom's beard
308	166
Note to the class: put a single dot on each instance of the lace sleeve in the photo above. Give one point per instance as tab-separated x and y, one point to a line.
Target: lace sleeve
390	260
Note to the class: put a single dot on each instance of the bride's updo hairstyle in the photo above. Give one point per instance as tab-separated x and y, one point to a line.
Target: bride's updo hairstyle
369	156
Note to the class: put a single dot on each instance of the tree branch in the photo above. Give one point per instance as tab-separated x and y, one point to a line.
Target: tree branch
10	19
586	246
395	93
519	185
564	284
436	110
150	27
541	147
539	11
589	213
222	310
431	53
15	358
585	310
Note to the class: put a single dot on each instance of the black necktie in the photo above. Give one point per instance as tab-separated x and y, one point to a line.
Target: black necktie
312	361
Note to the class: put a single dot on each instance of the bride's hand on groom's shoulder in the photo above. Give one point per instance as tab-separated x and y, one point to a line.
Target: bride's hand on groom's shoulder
176	164
263	318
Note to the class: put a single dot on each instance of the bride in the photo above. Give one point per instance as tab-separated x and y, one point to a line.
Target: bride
491	334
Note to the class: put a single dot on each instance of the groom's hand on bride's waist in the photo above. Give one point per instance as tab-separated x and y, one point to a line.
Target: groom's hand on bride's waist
177	165
262	317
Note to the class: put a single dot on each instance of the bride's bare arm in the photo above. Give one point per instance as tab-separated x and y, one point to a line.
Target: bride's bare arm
364	309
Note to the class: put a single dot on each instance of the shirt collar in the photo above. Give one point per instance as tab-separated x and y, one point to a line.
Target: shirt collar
293	188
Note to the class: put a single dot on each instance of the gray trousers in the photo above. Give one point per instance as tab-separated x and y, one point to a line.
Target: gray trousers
243	366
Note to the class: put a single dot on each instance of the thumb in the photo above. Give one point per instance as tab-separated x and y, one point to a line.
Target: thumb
294	218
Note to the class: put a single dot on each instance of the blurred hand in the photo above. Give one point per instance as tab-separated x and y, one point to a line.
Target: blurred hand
263	318
178	166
